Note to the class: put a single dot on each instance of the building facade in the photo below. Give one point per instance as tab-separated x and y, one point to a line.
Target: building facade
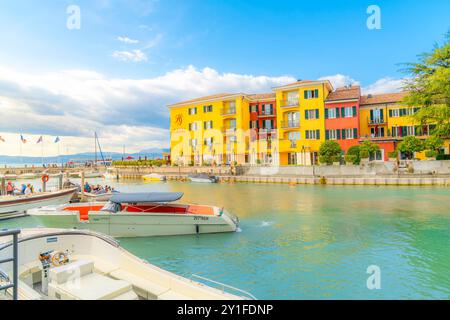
288	126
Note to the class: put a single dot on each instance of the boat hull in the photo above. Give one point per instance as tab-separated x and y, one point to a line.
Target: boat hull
137	224
201	180
20	205
97	197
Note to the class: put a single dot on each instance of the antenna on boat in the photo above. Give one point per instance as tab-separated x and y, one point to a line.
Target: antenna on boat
97	142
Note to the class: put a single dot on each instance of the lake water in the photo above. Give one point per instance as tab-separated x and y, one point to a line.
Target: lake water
310	242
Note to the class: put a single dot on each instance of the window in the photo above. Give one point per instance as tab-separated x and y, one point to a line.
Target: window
207	125
312	134
312	114
233	124
192	111
267	109
294	136
268	124
193	142
376	116
254	108
347	112
293	119
394	113
193	126
311	94
377	132
331	113
253	124
349	133
207	109
208	141
292	158
292	98
333	134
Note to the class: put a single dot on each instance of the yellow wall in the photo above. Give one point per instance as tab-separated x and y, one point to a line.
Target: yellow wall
180	133
305	124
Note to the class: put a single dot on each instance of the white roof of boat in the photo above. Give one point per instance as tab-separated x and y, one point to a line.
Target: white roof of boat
149	197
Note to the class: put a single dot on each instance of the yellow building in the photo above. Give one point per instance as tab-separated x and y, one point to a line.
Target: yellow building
210	130
301	121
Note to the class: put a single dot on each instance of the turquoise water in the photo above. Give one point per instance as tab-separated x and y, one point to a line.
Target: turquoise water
311	242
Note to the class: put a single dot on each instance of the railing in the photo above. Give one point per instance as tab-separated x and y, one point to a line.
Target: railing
289	103
14	259
247	295
228	130
376	121
266	113
290	124
228	111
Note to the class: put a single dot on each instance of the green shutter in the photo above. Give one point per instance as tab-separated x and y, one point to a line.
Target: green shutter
371	114
354	111
316	93
355	133
306	114
343	133
317	113
318	134
307	134
343	112
338	134
381	114
326	113
390	113
305	94
337	113
327	134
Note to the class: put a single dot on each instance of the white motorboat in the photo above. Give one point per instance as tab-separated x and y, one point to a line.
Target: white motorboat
27	176
96	197
139	215
110	174
11	205
57	264
203	178
10	176
93	174
154	177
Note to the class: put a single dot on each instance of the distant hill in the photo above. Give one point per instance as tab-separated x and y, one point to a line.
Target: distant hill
152	153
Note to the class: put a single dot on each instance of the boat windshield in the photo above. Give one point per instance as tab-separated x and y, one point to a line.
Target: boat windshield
111	207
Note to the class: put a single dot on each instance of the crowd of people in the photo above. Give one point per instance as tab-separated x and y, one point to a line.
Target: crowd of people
25	189
96	188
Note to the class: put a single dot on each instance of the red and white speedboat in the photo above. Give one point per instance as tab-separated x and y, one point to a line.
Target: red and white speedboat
139	215
13	205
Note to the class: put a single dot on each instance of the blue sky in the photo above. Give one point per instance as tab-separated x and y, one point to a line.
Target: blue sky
171	50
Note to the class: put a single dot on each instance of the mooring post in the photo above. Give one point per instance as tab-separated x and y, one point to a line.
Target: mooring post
3	186
60	181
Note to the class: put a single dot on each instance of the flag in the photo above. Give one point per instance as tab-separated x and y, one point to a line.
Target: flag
23	139
39	140
57	140
1	139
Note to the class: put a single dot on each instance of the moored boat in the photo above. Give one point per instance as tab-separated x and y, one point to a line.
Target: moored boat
203	178
154	177
10	176
96	197
93	174
57	264
25	176
139	215
10	205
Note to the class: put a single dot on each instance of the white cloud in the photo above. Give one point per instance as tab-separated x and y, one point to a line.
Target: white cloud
384	85
340	80
127	40
73	104
133	55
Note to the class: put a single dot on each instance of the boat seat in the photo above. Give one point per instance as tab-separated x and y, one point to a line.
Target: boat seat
100	266
144	288
78	281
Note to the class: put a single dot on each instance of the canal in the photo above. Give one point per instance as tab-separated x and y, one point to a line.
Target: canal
310	242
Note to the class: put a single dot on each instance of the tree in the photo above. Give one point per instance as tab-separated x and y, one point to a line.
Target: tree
410	145
433	143
329	152
353	154
368	148
429	87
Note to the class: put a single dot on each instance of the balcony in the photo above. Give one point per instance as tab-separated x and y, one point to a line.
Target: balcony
266	113
228	111
289	103
228	130
287	145
376	122
290	124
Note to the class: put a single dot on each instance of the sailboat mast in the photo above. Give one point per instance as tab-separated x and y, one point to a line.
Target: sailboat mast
95	144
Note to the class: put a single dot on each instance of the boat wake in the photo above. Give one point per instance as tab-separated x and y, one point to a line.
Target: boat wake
266	224
238	229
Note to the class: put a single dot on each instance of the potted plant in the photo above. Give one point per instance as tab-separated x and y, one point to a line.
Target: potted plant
330	152
393	156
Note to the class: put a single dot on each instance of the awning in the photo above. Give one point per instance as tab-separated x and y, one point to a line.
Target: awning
146	197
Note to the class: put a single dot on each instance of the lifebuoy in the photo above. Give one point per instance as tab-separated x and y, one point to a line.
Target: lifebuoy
45	178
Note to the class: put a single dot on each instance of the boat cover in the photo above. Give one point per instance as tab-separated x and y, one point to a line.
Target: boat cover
146	197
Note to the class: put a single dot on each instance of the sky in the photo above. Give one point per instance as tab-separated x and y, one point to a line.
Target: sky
117	72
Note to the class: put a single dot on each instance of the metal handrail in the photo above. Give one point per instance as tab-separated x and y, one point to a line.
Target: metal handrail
248	294
11	284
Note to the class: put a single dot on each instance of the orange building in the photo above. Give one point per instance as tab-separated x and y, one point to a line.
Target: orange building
342	116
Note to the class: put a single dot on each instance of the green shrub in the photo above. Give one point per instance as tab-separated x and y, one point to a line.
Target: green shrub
351	158
392	154
443	157
354	151
329	152
431	154
364	154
